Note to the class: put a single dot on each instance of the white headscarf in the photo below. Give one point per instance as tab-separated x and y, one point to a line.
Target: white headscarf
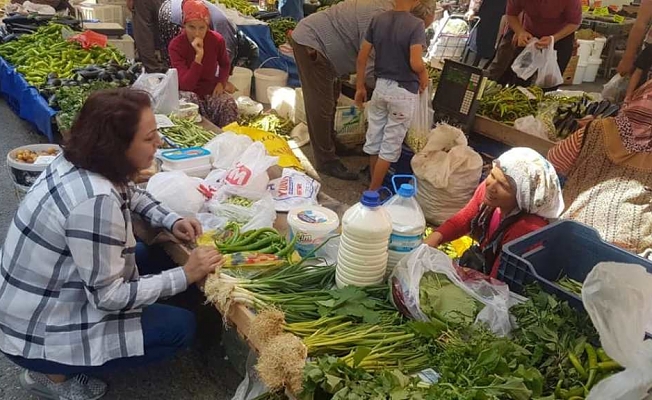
538	190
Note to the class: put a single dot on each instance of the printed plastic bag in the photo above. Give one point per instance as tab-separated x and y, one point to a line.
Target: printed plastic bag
275	145
226	148
164	89
177	191
529	61
448	171
616	89
549	74
532	126
260	214
293	189
406	279
250	169
618	298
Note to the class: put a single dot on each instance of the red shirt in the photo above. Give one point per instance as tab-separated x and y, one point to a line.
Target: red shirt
460	224
200	78
546	17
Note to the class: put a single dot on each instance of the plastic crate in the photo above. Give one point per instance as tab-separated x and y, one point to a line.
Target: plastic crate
102	13
126	45
564	248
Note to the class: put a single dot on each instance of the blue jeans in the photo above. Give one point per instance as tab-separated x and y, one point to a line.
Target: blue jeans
166	329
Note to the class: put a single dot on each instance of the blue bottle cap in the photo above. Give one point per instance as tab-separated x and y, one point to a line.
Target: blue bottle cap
406	190
370	198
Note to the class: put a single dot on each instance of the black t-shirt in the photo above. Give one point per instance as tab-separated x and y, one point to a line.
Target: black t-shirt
644	60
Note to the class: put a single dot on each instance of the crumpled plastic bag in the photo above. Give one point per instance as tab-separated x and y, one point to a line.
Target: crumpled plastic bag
618	298
178	192
529	61
616	89
88	39
250	169
406	278
275	145
532	126
549	75
261	213
225	149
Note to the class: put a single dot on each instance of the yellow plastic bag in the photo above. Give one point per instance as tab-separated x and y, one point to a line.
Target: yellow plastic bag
274	144
462	244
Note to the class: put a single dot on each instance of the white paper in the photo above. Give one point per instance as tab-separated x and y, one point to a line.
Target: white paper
162	121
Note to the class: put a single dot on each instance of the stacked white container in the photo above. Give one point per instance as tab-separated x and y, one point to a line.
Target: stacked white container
362	255
584	52
408	224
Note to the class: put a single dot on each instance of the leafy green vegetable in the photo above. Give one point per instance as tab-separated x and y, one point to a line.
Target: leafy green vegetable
438	296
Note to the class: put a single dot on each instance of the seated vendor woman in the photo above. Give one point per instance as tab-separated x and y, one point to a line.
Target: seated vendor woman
202	61
518	197
74	298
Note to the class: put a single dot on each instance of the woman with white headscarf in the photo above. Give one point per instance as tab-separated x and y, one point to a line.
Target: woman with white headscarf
520	196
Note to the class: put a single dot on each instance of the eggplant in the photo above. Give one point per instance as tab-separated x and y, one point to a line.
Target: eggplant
590	110
90	72
53	82
611	111
604	104
105	76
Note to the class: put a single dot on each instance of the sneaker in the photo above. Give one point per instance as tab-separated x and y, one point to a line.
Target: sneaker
80	387
337	170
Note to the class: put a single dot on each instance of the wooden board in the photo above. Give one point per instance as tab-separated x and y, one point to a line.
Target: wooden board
510	136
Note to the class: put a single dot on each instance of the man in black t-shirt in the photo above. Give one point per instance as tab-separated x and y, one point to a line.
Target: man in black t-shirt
642	67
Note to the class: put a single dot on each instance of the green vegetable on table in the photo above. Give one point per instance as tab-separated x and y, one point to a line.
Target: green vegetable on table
571	285
268	122
280	28
187	133
439	297
244	7
239	201
510	103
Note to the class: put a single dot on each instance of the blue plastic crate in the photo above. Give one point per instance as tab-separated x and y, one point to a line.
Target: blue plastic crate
564	248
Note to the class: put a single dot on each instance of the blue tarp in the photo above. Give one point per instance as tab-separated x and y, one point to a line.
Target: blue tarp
25	100
269	54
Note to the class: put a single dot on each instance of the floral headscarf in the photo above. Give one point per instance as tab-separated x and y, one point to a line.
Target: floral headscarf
195	10
634	120
537	186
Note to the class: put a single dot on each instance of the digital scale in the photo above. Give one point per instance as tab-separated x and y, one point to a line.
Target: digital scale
456	98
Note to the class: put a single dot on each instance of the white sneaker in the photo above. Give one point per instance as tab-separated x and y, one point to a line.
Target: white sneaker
80	387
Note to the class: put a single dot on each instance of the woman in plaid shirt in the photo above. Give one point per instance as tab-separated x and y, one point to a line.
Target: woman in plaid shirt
72	300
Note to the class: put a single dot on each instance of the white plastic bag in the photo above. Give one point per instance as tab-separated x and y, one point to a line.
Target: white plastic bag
618	298
293	189
282	100
261	214
549	74
529	61
251	386
419	131
164	89
178	192
406	278
226	148
448	171
247	106
532	126
616	89
250	168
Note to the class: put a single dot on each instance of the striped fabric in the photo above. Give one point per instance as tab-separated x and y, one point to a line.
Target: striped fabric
565	153
338	31
69	287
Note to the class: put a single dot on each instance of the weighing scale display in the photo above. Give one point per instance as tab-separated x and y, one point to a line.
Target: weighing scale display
455	99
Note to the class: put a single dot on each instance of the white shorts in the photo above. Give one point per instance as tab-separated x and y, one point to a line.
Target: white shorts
389	114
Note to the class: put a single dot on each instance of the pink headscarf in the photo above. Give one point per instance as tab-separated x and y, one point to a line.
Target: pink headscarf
634	121
195	10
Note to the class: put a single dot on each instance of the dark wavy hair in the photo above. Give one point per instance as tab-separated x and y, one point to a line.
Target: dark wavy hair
104	129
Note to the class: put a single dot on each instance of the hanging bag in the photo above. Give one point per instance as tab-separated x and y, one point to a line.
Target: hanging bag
549	75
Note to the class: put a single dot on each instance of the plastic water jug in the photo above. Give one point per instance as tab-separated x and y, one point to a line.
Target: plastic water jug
362	255
408	221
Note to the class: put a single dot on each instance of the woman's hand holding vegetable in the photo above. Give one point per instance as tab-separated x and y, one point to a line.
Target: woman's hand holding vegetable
201	262
198	44
187	229
434	240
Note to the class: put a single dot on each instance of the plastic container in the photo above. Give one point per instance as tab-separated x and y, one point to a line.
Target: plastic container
564	248
598	47
241	79
23	175
592	70
362	255
579	73
267	77
408	221
201	171
585	49
185	159
312	225
126	45
102	12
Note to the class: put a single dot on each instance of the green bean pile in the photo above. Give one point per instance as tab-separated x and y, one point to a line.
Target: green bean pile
186	133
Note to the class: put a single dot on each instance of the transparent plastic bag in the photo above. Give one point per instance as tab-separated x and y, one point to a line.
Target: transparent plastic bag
549	74
177	191
406	278
261	213
226	148
532	126
164	89
419	131
616	89
529	61
618	298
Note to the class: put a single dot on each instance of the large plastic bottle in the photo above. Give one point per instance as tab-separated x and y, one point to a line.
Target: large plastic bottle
408	224
362	255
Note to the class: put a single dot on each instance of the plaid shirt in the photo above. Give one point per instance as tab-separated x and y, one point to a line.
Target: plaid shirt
69	287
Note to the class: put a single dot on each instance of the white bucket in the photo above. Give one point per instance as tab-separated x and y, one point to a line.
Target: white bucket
241	79
579	73
598	47
585	49
592	70
267	77
24	174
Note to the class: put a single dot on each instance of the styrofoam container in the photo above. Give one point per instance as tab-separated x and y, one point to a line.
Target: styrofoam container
598	47
183	159
126	45
201	171
579	73
585	49
312	225
592	70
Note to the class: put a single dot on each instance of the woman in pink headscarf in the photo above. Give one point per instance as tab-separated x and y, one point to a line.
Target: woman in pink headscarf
608	165
201	59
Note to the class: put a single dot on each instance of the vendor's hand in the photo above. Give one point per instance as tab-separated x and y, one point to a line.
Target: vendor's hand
544	42
201	262
198	45
230	88
434	240
469	15
625	66
187	229
219	89
522	39
130	5
360	96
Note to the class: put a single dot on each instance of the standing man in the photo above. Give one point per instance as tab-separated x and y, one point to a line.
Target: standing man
547	21
638	33
326	46
145	19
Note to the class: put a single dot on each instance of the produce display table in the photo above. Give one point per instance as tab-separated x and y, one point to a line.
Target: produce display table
510	136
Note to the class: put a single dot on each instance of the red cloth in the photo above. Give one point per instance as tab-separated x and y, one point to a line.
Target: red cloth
460	224
200	78
546	17
194	10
